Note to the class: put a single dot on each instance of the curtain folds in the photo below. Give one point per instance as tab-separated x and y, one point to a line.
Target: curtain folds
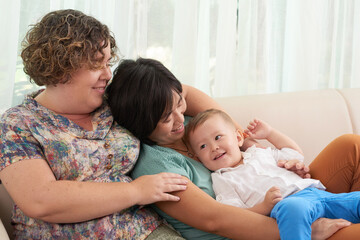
223	47
8	48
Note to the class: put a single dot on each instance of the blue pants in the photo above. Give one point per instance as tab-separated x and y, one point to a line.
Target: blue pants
295	214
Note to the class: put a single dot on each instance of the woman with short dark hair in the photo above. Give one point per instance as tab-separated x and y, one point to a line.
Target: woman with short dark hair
144	91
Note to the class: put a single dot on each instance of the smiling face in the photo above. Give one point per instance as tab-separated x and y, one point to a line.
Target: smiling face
216	143
171	128
84	92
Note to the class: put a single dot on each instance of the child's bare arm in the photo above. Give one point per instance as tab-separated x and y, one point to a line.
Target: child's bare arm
259	129
273	196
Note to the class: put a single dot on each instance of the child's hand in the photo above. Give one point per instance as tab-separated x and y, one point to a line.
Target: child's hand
258	129
272	197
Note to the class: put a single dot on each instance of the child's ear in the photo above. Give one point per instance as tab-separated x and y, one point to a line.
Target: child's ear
240	137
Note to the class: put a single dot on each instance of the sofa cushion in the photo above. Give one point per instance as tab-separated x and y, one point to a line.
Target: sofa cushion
311	118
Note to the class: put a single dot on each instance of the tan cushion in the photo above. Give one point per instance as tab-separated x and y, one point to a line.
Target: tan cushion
6	204
352	99
311	118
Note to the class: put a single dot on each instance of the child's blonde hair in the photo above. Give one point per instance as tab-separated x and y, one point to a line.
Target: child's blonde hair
200	118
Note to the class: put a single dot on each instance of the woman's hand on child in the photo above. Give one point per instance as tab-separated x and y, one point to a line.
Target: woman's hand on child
295	166
323	228
158	187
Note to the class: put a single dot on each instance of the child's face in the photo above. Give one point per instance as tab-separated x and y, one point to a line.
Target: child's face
216	143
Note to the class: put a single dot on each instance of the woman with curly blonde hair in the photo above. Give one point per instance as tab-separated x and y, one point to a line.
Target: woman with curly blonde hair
63	159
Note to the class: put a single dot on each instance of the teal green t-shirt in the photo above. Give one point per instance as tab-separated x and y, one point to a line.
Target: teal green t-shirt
156	159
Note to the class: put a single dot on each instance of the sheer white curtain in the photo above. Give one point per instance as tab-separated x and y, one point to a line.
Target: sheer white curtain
17	15
297	45
8	49
223	47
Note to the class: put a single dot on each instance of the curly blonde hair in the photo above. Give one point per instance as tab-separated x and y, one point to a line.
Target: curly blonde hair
62	42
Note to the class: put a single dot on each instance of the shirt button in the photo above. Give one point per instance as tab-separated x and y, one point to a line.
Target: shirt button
110	156
108	167
106	145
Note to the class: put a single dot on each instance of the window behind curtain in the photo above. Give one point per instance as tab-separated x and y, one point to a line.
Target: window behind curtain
223	47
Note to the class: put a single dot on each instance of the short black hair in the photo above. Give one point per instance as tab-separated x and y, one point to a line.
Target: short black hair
139	94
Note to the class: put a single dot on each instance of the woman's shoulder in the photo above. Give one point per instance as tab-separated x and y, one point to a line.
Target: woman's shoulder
20	113
15	116
156	159
156	149
154	154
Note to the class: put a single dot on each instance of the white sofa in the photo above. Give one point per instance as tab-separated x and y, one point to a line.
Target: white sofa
311	118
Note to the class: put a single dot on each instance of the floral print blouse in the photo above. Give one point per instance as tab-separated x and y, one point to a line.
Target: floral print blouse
106	154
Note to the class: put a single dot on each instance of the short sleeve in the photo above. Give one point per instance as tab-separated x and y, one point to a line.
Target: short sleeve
287	154
16	142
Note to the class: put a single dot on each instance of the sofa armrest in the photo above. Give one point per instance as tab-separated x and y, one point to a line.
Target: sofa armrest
3	233
6	205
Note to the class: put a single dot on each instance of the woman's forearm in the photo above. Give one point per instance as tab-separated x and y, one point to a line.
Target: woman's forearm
200	211
197	101
71	201
261	208
33	187
245	224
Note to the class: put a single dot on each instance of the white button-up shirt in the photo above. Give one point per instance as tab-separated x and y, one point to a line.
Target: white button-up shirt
246	185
